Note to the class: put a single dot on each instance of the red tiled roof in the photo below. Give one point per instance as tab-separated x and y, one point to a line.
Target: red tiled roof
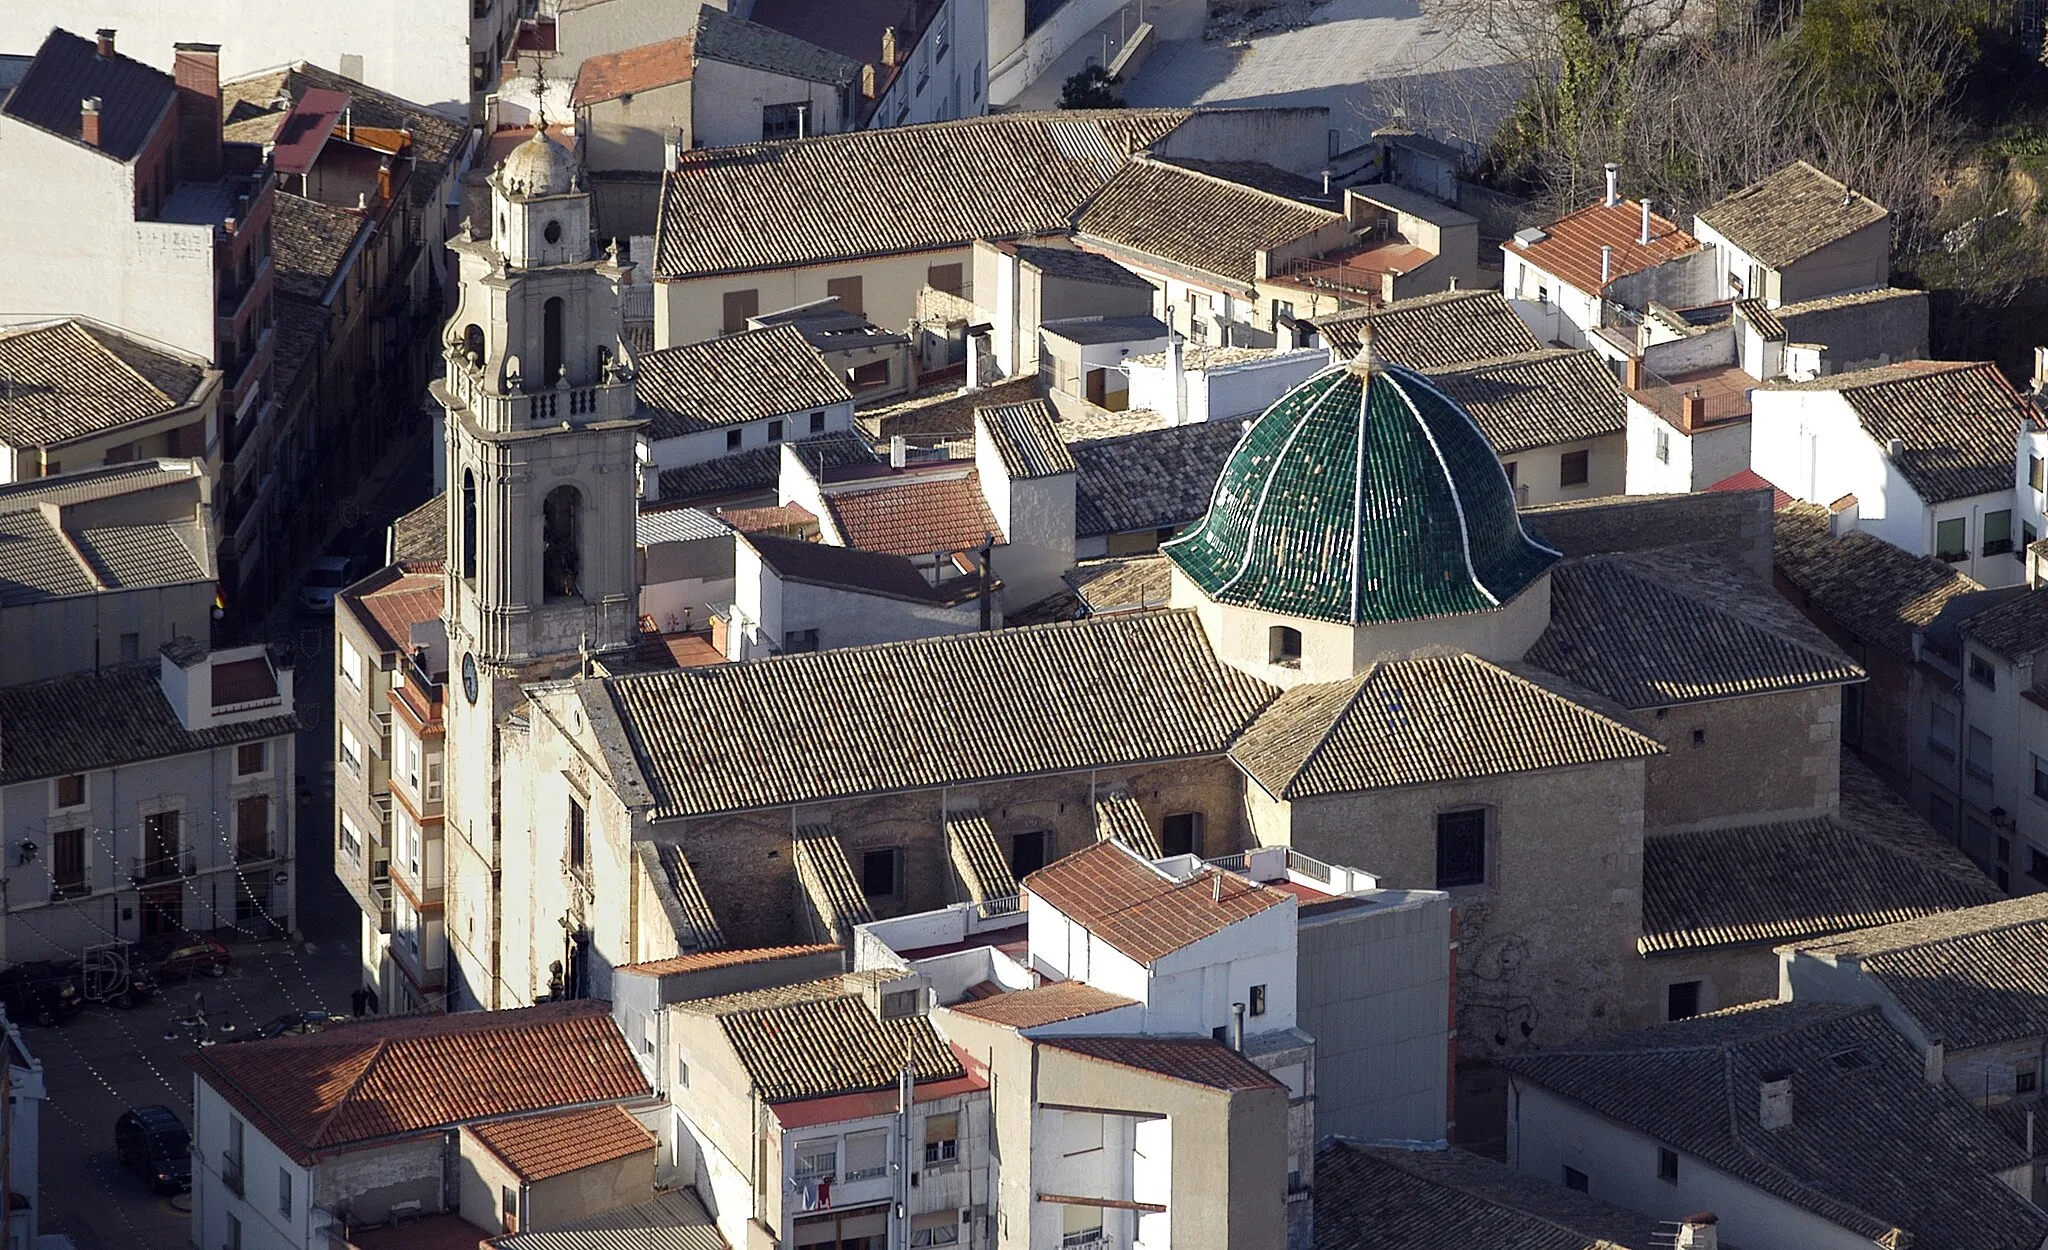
1750	479
402	1075
1141	911
787	516
916	518
536	1147
1043	1004
390	608
243	681
703	960
1196	1060
305	130
1572	249
644	68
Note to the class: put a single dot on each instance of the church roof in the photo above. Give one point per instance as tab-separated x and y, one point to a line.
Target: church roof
1365	494
540	166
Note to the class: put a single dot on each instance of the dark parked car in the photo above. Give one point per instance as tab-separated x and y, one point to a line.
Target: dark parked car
40	993
154	1145
190	957
293	1023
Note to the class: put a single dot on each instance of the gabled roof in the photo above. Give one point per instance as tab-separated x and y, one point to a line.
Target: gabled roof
395	1076
1792	214
1192	1060
760	468
723	37
49	550
1879	593
1440	331
899	189
742	377
422	534
555	1143
99	720
1873	1146
1438	718
1538	400
1973	977
2015	626
1201	220
610	75
310	242
1676	625
674	1220
74	379
819	1039
1957	421
1570	247
437	139
1393	1198
1073	264
848	568
394	599
1027	438
705	961
1012	703
1051	1003
133	97
1126	902
916	517
1874	862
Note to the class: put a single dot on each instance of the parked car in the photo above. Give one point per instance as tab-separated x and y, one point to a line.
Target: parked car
154	1145
111	979
190	957
293	1023
323	582
40	992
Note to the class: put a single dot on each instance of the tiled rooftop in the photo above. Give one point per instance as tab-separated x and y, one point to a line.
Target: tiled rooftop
704	961
723	37
1571	245
1195	1061
1538	400
1391	1198
727	381
1792	214
1877	592
916	518
1440	331
73	379
97	720
610	75
1156	479
134	97
1140	911
537	1147
1200	220
393	600
1051	1003
820	1039
1027	439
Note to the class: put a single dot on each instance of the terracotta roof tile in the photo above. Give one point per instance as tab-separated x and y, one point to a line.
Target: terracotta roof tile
916	517
1199	220
72	380
393	600
1027	438
537	1147
1118	817
1043	1004
1438	331
613	74
1122	584
1141	911
1875	591
818	1039
1390	1198
1197	1061
1158	479
702	961
399	1075
1538	400
1571	247
983	869
742	377
1792	214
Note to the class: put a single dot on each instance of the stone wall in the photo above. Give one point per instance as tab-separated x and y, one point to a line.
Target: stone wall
1744	761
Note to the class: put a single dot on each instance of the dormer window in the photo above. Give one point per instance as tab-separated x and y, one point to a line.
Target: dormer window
1283	646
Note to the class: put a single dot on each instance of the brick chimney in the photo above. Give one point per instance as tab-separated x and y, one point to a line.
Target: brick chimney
105	41
1698	1232
1693	408
889	49
196	69
868	87
89	120
1632	373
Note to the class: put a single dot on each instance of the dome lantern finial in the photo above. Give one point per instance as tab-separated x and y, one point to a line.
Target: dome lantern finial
1364	364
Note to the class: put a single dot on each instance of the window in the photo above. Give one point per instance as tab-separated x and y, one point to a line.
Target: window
1080	1226
2004	850
1283	646
1508	467
552	232
67	862
508	1203
1699	737
1181	834
284	1193
818	1160
782	121
775	431
2025	1081
468	523
69	792
1028	852
881	872
817	423
251	758
577	850
1997	533
252	827
131	646
2037	865
1941	730
1978	763
941	1139
351	841
739	306
1952	540
732	440
798	640
1258	1006
1667	1166
2028	536
352	664
2034	474
162	840
351	751
847	292
433	792
561	552
867	1155
1852	715
1461	848
945	278
1682	1000
936	1229
1941	812
1574	1179
1663	446
234	1241
1572	468
1982	673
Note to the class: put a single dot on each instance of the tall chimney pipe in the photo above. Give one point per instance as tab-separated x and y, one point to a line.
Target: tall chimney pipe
1645	240
1606	264
1237	1027
1613	184
89	120
105	43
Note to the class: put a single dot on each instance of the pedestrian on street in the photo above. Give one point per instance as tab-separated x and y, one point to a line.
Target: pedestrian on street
358	1001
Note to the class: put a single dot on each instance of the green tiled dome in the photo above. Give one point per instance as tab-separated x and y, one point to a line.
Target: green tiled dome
1365	494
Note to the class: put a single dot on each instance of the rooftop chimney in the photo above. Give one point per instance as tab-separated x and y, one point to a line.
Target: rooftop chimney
1606	264
1645	240
1936	1061
1632	373
867	82
89	120
1774	1101
196	69
106	41
2041	371
1692	408
1326	182
889	48
1613	184
1216	887
1237	1027
1697	1232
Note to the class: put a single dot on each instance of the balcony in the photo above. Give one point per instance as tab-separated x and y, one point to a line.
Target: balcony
255	848
231	1173
147	869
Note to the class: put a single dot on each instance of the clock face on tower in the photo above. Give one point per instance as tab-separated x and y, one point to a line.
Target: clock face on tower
469	677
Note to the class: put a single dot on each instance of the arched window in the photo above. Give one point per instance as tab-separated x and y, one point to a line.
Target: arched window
561	567
1283	646
473	342
551	341
467	538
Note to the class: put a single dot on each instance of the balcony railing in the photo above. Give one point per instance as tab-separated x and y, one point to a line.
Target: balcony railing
1087	1239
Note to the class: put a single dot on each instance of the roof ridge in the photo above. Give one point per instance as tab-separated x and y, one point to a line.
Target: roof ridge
1556	696
101	346
1147	159
354	1087
1359	683
1540	354
1630	562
